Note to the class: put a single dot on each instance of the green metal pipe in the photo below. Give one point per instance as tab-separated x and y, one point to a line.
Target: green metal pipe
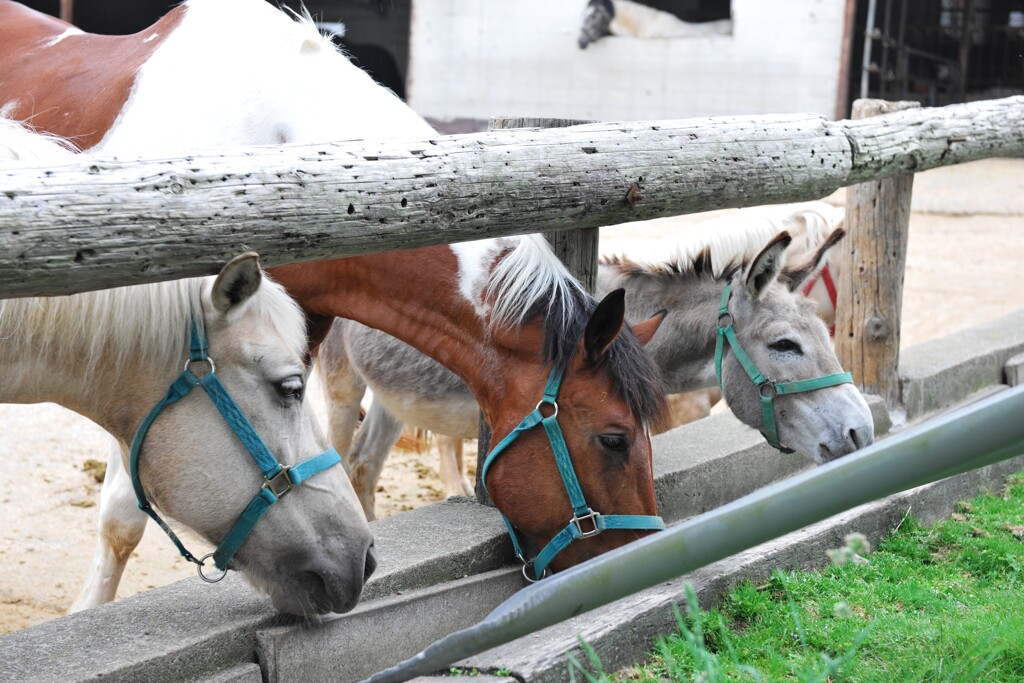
987	432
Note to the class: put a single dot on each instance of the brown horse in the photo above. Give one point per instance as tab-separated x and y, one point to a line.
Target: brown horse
499	313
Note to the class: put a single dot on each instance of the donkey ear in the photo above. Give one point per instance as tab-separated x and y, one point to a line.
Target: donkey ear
797	275
767	265
238	281
604	325
645	330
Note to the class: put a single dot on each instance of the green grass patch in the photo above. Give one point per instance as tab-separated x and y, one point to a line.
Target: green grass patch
944	603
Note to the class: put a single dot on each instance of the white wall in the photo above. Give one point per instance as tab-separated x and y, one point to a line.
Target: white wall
479	58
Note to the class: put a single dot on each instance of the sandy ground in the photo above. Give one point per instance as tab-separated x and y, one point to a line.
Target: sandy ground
966	242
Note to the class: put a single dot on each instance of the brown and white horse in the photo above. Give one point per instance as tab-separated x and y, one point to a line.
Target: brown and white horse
499	313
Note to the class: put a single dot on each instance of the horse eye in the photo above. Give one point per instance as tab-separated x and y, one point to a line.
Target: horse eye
614	442
785	346
291	387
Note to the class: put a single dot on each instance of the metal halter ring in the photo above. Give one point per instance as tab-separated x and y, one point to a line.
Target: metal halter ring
528	572
768	390
209	360
550	403
214	578
723	317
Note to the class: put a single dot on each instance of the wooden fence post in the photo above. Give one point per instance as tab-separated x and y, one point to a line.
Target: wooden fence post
577	249
872	264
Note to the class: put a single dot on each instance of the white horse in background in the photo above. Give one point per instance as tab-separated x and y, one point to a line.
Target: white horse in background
636	20
111	356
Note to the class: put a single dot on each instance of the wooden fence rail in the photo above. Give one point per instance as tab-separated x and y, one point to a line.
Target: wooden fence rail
102	223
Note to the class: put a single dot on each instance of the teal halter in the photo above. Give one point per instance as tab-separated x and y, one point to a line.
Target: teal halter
767	389
581	511
279	479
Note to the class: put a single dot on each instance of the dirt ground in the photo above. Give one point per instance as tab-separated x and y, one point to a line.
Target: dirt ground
966	242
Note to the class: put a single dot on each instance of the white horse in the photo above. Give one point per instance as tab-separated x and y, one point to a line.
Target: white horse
684	274
111	356
222	73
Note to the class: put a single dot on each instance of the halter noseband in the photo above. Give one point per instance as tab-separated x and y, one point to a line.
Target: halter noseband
582	513
279	479
767	389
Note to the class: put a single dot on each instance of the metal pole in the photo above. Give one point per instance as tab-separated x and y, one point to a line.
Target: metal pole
981	434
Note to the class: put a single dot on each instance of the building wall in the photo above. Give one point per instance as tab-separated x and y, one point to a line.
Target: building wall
475	59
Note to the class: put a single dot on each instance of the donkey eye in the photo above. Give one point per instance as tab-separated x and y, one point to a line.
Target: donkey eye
614	442
291	387
785	346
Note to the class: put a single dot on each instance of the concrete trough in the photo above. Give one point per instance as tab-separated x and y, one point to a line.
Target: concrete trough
442	567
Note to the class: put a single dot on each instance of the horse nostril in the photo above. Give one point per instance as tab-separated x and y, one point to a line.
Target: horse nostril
371	562
861	437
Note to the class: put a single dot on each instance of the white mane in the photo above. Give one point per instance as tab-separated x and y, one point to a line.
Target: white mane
18	143
147	323
737	237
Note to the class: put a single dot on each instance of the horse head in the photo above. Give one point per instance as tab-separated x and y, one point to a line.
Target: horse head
781	334
312	550
578	467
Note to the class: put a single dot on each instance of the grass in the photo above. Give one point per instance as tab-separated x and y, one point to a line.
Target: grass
944	603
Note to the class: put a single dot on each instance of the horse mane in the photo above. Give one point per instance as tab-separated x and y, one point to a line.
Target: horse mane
141	324
19	143
720	247
527	281
147	323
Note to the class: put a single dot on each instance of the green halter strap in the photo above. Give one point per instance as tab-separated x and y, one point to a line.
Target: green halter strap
582	513
278	479
767	389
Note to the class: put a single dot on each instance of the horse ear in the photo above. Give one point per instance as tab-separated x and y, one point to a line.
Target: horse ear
797	275
604	325
238	281
645	330
767	265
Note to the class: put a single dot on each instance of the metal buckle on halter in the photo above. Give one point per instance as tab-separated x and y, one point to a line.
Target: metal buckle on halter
771	392
722	317
280	483
592	516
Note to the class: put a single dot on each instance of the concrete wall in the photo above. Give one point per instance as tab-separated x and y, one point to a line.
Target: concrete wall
471	59
444	566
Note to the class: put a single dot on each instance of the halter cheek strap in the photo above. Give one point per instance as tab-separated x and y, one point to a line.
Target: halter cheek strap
278	479
767	389
585	522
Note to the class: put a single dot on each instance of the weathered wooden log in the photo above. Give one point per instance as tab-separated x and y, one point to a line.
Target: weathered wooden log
577	249
102	223
873	260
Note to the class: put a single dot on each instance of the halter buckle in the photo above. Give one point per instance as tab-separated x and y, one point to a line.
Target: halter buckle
724	320
280	483
592	516
768	390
